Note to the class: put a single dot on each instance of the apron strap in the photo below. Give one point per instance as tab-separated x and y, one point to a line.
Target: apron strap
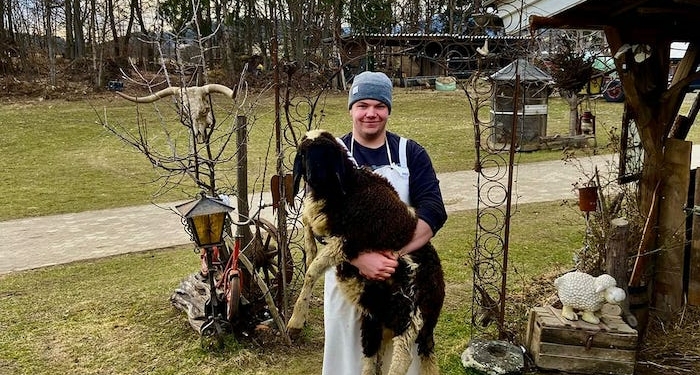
403	142
402	152
352	158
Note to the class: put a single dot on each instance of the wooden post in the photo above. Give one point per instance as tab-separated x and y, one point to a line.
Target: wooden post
616	264
616	254
242	176
694	267
668	275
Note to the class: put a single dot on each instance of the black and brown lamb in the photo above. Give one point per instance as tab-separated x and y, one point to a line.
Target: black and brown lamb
356	210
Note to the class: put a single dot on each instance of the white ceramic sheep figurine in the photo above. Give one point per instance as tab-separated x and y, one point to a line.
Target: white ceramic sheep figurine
581	291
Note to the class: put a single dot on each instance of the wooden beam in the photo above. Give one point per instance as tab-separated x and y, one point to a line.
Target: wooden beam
687	65
668	269
540	22
680	128
627	7
694	108
673	97
694	265
660	10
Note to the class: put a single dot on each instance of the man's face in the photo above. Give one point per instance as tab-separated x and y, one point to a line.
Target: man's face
369	117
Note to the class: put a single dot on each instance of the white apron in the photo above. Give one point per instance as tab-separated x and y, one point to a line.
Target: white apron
342	354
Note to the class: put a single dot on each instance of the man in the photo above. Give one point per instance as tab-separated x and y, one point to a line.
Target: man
409	169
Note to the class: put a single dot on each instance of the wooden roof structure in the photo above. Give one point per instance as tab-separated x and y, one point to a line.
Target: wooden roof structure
639	34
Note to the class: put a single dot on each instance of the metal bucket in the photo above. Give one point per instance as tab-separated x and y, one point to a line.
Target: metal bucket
588	198
638	298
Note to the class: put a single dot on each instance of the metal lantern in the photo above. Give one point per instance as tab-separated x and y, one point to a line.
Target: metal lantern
205	219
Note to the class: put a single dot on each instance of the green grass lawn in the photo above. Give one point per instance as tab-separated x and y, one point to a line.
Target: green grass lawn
59	158
112	315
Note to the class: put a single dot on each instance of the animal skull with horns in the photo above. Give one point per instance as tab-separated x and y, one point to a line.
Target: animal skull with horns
192	100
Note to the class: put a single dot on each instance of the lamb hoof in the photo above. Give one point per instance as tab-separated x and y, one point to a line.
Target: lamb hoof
590	317
568	313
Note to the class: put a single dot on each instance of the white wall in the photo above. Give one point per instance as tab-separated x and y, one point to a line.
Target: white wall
516	21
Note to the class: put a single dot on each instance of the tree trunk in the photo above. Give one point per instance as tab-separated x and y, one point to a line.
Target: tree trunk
50	43
70	44
113	28
78	33
572	99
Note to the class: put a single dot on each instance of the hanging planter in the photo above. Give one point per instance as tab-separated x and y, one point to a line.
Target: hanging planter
588	198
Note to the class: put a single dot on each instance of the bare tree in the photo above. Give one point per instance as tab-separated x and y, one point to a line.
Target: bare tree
571	68
50	41
8	47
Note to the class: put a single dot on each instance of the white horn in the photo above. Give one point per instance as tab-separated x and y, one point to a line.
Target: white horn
215	87
151	98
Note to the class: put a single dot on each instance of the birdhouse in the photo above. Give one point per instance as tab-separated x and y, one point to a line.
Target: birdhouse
520	100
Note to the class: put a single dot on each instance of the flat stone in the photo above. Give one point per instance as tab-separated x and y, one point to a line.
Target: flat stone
493	357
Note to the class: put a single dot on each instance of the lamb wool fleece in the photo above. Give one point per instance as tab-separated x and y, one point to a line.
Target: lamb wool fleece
582	291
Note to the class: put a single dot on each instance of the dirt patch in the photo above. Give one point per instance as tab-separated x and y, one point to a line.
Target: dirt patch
670	346
73	80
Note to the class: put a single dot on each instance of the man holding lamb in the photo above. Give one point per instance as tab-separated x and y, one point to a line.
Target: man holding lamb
409	169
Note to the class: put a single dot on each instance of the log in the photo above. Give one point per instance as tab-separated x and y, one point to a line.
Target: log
616	264
190	297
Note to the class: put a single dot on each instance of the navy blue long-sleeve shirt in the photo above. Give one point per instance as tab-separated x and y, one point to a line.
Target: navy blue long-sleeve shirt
424	186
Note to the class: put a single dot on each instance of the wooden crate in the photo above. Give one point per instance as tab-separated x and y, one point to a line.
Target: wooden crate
579	347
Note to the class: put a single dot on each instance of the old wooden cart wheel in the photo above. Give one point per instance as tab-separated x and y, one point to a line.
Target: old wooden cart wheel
267	260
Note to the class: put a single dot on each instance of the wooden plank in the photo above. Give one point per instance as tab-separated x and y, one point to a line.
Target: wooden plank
613	333
584	351
530	327
535	340
694	262
610	323
580	352
587	338
694	109
681	127
668	287
673	97
687	64
579	360
617	325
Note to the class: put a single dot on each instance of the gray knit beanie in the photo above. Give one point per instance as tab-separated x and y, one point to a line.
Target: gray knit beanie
371	85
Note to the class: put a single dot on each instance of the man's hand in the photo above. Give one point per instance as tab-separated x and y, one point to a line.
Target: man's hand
376	265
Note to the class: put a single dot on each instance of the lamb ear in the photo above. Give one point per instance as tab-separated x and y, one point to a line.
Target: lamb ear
600	288
340	173
340	183
298	172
